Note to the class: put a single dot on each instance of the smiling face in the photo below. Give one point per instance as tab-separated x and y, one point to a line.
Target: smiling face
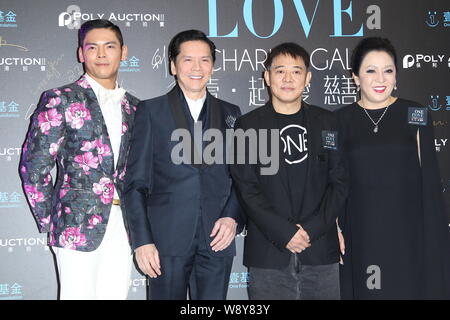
287	77
377	78
101	54
193	67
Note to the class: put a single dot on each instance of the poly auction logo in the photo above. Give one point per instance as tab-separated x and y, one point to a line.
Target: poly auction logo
7	62
73	17
9	153
440	144
419	60
28	243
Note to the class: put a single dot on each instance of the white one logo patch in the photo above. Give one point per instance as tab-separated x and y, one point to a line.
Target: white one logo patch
295	148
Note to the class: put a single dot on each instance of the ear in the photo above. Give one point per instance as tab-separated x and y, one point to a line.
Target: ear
267	77
124	53
308	78
80	55
172	68
356	79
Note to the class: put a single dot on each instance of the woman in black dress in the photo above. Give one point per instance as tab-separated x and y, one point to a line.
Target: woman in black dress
395	224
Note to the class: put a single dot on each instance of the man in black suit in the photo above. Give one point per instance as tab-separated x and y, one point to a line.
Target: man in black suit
292	246
182	216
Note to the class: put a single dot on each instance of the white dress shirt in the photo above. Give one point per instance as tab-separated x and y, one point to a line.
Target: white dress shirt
195	106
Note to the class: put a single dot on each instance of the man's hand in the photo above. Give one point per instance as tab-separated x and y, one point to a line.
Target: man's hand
147	257
223	232
341	245
341	241
299	242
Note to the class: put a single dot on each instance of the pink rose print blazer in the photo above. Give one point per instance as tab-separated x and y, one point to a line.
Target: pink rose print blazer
68	129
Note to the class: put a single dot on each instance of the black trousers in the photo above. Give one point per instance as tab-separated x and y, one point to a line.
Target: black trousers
295	282
205	276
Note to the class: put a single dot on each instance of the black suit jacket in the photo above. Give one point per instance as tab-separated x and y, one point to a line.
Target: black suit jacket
164	200
271	221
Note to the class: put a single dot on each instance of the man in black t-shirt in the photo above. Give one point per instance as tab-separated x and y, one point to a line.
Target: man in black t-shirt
292	246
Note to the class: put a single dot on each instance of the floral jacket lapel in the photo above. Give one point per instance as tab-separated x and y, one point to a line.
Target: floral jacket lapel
100	128
128	111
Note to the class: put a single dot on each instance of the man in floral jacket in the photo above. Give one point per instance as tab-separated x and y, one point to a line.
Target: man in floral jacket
84	127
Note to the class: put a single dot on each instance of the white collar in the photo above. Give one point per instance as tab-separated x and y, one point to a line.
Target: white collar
199	101
106	96
195	106
95	85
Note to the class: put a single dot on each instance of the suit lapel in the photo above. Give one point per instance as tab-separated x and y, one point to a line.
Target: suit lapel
177	109
99	124
216	116
127	113
312	126
216	119
180	120
269	121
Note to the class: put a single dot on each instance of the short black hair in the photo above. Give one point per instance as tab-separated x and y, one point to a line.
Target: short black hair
367	45
287	48
98	24
188	35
